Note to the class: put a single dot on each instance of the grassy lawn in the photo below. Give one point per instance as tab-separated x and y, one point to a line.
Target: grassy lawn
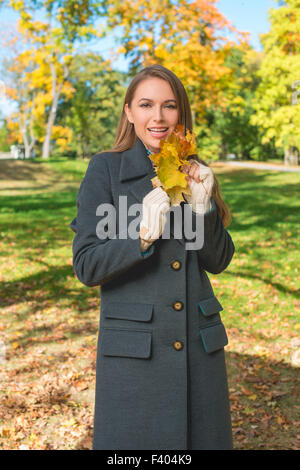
49	321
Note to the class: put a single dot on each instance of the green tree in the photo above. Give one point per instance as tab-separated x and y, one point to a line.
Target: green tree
93	111
231	129
276	111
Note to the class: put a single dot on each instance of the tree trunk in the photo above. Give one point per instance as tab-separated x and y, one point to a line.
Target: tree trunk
286	155
291	156
50	123
28	146
52	114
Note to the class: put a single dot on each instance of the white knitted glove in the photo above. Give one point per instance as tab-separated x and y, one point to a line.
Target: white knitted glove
155	205
201	192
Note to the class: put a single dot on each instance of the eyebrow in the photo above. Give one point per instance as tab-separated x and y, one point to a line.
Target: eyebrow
148	99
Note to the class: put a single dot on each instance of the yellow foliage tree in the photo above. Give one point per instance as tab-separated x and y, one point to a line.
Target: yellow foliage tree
43	68
188	37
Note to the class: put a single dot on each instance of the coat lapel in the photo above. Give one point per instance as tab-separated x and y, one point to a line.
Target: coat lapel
137	169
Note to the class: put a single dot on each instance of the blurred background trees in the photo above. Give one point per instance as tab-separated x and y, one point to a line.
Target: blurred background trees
69	98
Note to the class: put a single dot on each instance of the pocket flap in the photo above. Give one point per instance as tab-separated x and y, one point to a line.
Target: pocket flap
210	306
126	343
128	311
214	337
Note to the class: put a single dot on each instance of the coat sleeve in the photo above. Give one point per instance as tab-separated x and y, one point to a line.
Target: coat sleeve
95	260
218	248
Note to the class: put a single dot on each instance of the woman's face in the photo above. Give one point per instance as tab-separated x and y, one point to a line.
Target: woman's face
153	111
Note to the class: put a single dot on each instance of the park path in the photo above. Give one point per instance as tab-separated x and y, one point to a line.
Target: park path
263	166
5	156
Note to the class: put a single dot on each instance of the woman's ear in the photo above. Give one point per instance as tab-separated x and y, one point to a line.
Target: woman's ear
128	113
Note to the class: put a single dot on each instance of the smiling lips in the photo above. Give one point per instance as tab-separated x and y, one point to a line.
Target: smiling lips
158	132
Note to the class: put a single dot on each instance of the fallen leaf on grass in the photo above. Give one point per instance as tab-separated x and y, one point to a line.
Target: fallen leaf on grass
81	385
246	391
70	422
252	397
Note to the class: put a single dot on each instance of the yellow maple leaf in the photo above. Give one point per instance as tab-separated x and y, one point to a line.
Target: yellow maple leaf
253	397
168	162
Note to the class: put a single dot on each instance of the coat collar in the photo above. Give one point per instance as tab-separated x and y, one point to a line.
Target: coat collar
137	169
135	162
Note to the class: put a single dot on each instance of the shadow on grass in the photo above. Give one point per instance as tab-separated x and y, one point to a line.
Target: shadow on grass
57	331
68	187
20	171
248	275
45	287
35	170
39	202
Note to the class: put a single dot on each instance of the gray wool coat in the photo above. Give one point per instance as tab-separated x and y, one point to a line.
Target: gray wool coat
161	379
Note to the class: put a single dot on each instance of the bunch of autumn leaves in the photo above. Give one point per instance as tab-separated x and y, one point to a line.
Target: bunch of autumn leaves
169	161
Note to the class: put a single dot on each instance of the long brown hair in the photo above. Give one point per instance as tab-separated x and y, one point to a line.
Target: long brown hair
126	136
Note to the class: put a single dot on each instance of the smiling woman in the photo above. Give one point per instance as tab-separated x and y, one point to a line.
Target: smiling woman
161	378
153	111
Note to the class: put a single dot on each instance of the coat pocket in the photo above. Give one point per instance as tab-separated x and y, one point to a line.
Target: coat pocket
214	337
210	306
128	311
126	343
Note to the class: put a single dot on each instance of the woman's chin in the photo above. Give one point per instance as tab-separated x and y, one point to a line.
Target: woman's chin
153	149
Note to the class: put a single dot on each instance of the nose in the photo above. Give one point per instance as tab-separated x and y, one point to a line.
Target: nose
158	114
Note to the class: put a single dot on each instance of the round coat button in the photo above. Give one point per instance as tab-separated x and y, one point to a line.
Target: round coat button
176	265
178	305
177	345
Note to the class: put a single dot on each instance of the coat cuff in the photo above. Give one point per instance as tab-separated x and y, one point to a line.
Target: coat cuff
204	208
145	253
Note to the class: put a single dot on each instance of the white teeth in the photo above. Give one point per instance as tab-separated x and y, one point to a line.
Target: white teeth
158	130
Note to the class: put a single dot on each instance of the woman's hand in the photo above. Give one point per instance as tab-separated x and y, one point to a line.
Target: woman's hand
155	205
200	179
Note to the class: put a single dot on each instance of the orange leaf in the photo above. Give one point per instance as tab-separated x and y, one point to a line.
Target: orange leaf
81	385
246	391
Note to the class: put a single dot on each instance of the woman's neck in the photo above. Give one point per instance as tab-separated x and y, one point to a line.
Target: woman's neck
148	151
